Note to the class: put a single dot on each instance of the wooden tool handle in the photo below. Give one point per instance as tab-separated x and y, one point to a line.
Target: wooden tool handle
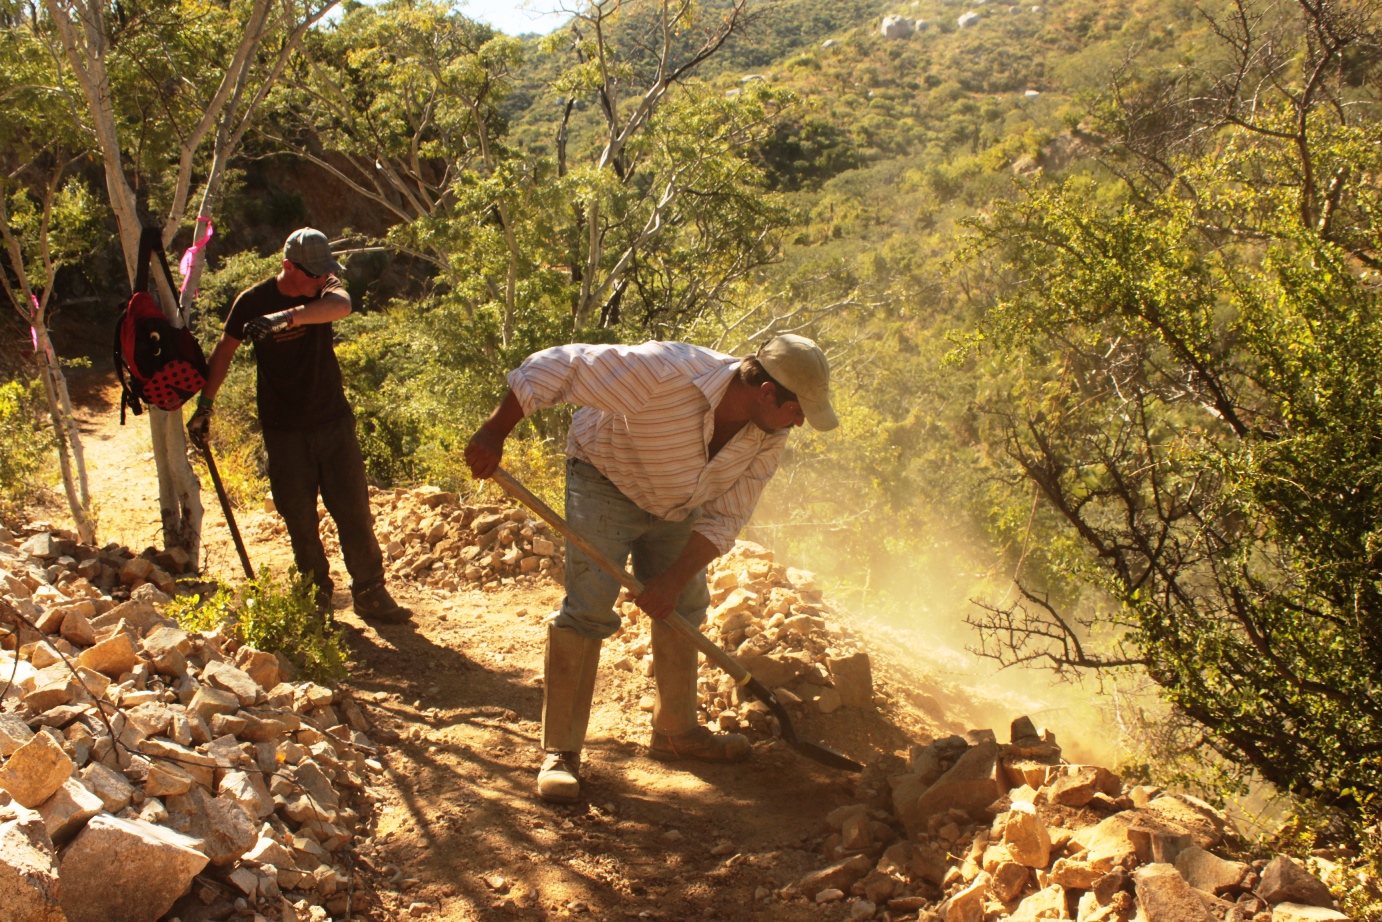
627	579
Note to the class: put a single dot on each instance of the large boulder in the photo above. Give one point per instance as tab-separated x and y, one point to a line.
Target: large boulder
1285	881
120	870
897	27
29	886
973	783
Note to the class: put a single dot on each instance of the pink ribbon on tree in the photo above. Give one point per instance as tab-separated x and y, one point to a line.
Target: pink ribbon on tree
190	257
33	330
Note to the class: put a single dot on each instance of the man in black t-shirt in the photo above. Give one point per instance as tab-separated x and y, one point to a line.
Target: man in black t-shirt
309	429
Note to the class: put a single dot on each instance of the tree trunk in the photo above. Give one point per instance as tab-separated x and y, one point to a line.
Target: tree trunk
65	438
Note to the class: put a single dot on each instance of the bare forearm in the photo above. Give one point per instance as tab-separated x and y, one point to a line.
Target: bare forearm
505	416
323	310
219	366
486	448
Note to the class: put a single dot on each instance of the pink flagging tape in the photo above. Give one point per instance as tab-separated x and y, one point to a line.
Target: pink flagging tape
190	257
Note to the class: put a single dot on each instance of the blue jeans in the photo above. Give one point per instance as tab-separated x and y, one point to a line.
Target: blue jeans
608	519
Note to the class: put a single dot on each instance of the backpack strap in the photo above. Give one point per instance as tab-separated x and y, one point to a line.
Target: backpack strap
151	244
128	398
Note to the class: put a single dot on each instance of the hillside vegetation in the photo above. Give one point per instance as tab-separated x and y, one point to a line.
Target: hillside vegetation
1098	280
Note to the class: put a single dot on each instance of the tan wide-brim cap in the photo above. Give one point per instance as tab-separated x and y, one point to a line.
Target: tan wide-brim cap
799	365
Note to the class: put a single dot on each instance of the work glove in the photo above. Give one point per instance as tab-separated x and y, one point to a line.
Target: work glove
267	325
199	426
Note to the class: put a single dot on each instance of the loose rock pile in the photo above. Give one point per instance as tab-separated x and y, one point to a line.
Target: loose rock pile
146	768
775	621
975	830
428	537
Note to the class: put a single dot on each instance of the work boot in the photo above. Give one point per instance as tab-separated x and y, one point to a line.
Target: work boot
568	686
375	604
677	733
559	782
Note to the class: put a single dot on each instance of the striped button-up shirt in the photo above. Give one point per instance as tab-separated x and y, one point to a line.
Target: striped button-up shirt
646	419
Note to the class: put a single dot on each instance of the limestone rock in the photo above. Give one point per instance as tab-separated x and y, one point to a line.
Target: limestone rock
29	887
136	570
68	809
973	783
839	876
166	779
1046	903
110	786
1076	785
35	771
13	734
226	830
853	676
1208	872
76	629
1285	881
1009	879
113	656
208	702
260	666
1164	896
1026	837
968	904
1191	815
1073	874
120	870
249	791
226	677
167	648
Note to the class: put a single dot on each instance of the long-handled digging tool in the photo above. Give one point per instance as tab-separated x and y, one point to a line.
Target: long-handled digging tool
809	748
225	507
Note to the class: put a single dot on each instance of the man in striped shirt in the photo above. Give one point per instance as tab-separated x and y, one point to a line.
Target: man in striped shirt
666	460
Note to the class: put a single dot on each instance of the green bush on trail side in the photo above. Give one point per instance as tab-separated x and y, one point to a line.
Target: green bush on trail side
24	444
1201	418
273	615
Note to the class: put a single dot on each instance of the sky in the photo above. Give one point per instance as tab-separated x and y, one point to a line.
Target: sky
517	16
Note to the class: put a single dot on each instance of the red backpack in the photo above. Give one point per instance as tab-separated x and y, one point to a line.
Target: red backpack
156	362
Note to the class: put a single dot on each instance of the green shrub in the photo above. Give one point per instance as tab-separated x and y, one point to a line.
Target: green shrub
273	615
281	617
24	444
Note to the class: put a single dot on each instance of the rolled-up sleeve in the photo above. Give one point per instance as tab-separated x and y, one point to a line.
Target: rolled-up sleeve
616	379
723	517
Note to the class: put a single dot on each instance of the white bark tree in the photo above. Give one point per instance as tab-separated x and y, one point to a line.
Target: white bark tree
47	220
218	99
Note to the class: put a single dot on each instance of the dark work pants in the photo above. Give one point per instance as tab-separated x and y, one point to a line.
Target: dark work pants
325	459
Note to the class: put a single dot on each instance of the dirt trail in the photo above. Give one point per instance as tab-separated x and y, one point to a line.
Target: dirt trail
457	698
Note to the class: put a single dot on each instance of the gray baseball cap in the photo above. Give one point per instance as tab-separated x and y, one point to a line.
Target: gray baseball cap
801	367
309	248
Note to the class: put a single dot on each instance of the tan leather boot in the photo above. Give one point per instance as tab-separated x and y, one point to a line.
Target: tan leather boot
569	684
677	734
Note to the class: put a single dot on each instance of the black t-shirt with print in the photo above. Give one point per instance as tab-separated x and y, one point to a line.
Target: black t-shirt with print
299	381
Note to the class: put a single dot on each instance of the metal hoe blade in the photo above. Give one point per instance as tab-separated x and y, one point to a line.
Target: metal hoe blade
809	748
